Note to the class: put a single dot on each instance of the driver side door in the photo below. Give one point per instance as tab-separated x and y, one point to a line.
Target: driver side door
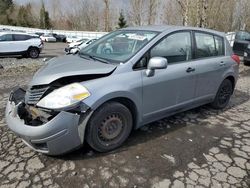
172	88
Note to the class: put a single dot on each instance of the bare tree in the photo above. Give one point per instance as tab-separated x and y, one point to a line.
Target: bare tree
137	11
168	17
152	7
107	15
184	4
204	6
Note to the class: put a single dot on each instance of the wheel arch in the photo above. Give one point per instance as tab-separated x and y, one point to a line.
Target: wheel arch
33	47
126	101
232	80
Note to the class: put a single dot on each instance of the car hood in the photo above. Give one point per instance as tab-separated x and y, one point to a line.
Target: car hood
69	65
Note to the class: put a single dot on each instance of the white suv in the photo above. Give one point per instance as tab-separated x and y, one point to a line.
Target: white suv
24	44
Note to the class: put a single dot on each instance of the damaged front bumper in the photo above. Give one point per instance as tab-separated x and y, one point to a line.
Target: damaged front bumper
62	133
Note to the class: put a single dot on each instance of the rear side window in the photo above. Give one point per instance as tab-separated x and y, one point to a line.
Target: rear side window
205	45
219	44
7	37
19	37
175	48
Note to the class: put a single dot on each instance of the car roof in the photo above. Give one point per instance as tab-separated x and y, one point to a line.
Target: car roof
163	28
13	32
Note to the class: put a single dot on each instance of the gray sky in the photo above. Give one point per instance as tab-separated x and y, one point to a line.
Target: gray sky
47	2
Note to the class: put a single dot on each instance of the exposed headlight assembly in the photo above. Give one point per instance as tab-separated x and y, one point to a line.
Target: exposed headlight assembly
66	96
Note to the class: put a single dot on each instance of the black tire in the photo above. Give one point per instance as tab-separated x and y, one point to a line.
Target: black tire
223	95
247	63
33	53
109	127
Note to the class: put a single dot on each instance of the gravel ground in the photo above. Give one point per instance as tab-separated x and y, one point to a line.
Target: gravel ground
198	148
25	66
50	50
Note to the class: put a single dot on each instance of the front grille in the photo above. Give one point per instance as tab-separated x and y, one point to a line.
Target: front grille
35	93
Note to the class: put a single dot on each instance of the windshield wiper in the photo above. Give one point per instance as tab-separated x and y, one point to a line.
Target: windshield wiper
94	58
84	56
99	59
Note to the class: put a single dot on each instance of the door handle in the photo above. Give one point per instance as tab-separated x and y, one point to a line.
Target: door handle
190	70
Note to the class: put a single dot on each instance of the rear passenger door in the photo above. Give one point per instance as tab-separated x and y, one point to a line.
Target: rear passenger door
210	63
22	43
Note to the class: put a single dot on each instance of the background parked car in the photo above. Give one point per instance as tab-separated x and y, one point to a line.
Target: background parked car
247	56
77	48
77	43
39	33
231	37
70	39
48	38
12	43
59	38
242	40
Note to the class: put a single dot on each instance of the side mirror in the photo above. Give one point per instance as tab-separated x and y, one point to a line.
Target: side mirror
156	63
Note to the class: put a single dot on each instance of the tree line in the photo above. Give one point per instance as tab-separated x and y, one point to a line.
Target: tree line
108	15
24	15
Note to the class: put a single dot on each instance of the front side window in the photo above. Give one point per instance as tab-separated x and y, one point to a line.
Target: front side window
205	45
7	37
118	46
175	48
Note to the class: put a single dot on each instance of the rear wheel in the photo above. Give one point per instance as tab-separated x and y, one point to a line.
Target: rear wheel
223	95
109	127
33	53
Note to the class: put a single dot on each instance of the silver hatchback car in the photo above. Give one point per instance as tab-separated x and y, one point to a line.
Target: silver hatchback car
121	82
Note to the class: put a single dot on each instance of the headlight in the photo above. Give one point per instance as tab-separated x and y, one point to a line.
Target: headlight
64	97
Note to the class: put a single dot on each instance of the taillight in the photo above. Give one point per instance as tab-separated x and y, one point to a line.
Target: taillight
236	58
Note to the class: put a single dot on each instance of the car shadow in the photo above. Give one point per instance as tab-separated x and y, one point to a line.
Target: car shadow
163	127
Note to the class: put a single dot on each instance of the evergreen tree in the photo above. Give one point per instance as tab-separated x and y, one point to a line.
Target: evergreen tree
47	20
122	21
22	17
25	16
44	18
6	7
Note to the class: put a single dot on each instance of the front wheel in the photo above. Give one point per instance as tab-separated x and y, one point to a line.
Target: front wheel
33	53
223	95
109	126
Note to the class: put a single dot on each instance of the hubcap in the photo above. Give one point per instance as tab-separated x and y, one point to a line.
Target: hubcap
33	53
110	128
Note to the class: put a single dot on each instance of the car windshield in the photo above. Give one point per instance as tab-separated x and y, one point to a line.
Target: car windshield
118	46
